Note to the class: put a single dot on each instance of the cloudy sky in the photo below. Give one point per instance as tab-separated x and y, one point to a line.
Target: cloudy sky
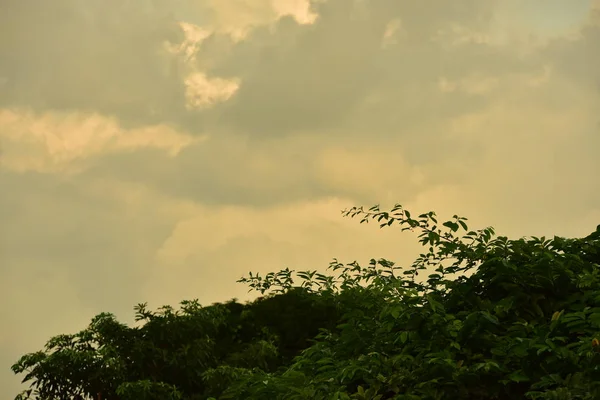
156	150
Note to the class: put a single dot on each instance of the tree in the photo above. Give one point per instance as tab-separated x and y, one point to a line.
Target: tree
494	319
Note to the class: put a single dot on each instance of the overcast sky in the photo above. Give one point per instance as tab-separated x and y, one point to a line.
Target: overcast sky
159	150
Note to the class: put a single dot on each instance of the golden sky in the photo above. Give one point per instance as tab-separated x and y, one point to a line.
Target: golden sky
159	150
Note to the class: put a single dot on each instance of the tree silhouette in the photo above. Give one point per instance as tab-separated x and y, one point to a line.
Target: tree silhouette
492	319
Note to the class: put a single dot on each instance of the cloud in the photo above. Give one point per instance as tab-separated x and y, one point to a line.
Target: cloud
97	56
118	58
64	227
576	58
296	78
65	142
157	151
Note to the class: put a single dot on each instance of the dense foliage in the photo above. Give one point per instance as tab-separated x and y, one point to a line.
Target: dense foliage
497	319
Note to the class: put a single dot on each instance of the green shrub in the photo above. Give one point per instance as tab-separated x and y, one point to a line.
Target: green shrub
493	319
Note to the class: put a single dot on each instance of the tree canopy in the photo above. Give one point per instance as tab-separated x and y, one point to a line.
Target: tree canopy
493	319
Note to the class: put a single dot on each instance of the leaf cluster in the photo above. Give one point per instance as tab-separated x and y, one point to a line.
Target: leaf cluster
488	318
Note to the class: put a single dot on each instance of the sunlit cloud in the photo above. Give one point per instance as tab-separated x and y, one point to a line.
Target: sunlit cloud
64	142
203	92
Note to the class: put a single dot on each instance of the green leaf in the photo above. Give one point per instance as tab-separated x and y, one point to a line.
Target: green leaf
361	391
404	337
518	376
396	311
452	225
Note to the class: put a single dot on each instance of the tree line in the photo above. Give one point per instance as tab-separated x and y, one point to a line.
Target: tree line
489	318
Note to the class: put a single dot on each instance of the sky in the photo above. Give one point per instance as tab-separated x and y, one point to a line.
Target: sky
157	151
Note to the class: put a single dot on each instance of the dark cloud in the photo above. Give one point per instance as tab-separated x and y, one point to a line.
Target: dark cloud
98	56
218	172
54	226
297	78
578	60
310	83
109	57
